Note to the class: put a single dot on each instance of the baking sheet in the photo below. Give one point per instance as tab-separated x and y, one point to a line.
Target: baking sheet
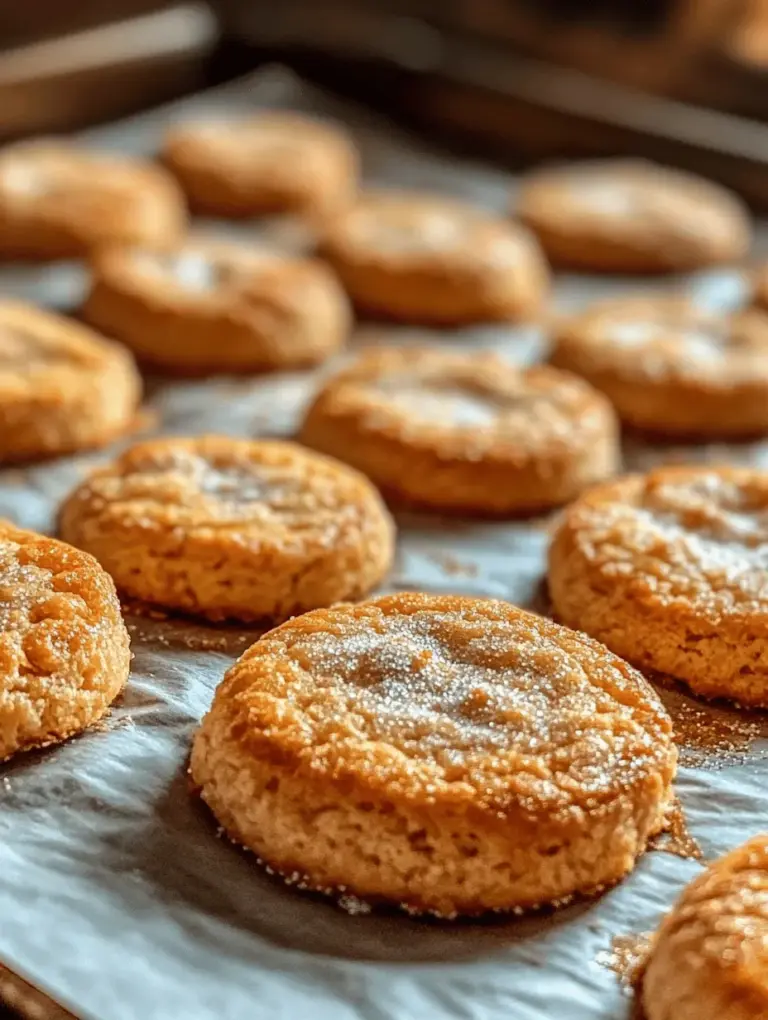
116	896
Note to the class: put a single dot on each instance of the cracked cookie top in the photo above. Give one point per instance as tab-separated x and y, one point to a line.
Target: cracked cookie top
626	214
270	492
59	200
465	405
63	645
694	536
452	699
665	340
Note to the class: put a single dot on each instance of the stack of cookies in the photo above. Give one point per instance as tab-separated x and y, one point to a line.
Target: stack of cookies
453	755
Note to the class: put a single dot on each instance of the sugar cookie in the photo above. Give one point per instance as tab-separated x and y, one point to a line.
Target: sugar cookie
630	216
671	367
709	960
214	306
64	649
426	258
272	163
670	570
63	388
449	754
60	201
232	528
465	432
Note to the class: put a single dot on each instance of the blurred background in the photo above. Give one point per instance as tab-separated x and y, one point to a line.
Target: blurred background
684	81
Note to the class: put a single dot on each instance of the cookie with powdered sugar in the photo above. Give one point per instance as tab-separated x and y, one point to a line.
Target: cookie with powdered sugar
465	432
275	162
450	755
63	387
232	528
709	958
61	201
670	366
670	571
204	306
64	649
423	258
632	216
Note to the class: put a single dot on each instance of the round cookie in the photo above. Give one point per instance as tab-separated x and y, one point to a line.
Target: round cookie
273	163
465	432
430	259
670	570
60	201
232	528
671	367
631	216
448	754
64	649
63	388
211	306
709	959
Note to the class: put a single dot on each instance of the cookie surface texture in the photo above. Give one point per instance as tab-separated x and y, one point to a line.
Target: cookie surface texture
630	216
670	571
206	306
60	201
63	388
448	754
709	960
274	163
64	649
427	259
465	432
670	367
232	528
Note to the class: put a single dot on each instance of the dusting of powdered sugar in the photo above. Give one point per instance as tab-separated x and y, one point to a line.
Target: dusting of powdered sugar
229	490
23	587
286	500
613	197
703	537
192	270
701	342
466	692
447	404
234	482
404	230
510	406
26	178
23	351
649	342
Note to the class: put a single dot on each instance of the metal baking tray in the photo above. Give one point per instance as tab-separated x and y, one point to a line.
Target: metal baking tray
117	899
522	77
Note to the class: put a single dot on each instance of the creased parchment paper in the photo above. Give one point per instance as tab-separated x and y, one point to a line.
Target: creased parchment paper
117	898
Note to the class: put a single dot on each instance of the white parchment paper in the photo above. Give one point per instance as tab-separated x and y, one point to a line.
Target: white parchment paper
116	896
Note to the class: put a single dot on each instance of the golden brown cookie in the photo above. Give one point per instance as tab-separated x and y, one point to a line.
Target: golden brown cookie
272	163
232	528
63	387
64	649
671	367
61	201
427	258
465	432
670	570
448	754
631	216
709	959
216	306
